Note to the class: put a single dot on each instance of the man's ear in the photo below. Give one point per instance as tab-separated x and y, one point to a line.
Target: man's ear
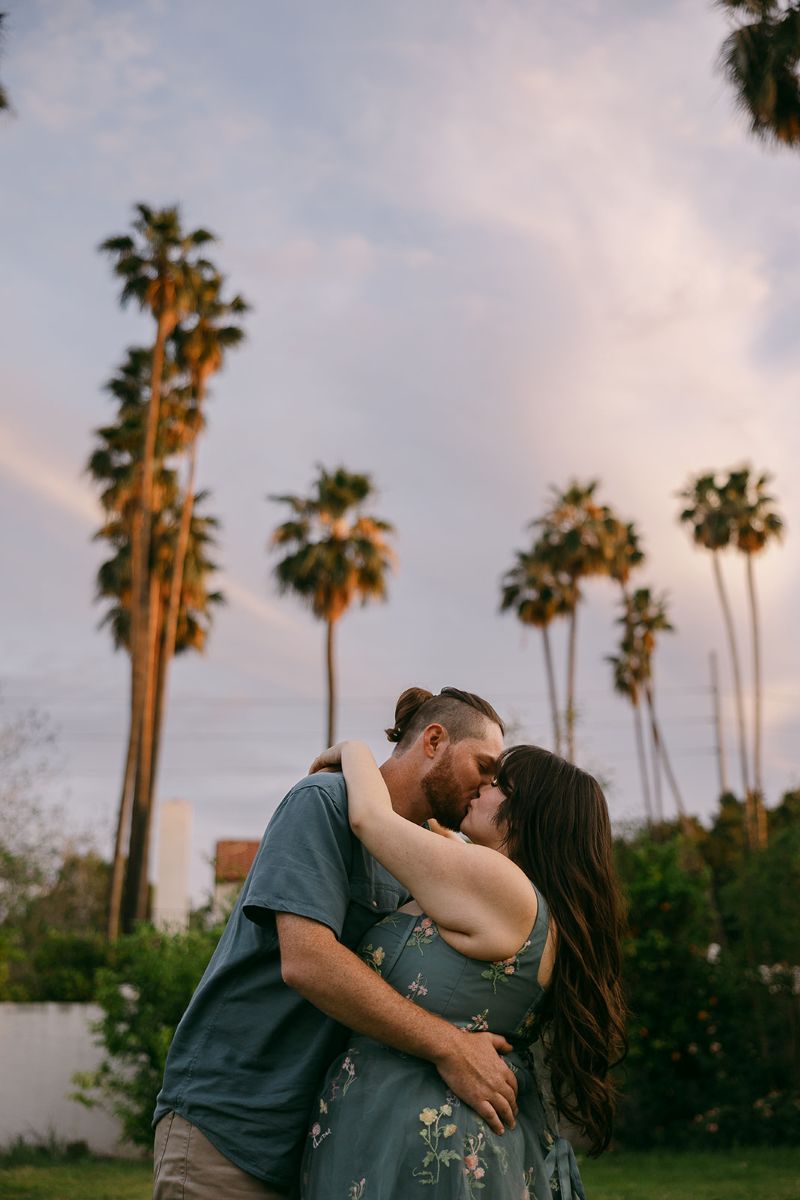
434	737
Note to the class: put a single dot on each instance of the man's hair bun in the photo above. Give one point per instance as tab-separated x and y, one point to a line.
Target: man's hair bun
409	704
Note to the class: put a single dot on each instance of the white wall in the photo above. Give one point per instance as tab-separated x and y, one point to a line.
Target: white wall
41	1046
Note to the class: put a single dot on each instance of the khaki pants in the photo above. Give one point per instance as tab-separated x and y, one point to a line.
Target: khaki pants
187	1167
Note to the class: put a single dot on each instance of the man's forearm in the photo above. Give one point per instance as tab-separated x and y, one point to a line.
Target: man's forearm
338	983
350	992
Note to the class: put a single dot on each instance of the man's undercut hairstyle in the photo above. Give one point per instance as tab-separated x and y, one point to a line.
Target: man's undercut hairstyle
462	714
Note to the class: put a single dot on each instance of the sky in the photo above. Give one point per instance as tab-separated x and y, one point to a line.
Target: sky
490	247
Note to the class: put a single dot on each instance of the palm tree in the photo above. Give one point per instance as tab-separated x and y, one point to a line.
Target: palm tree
336	554
627	675
4	101
708	513
644	616
539	594
574	541
755	523
159	267
647	616
200	350
760	58
623	548
115	466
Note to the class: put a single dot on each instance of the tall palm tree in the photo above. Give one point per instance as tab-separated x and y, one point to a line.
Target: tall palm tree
538	594
200	350
115	466
760	58
627	672
755	523
574	541
336	554
159	267
708	513
646	617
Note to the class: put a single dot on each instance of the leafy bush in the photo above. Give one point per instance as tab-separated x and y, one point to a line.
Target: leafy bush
715	1012
143	993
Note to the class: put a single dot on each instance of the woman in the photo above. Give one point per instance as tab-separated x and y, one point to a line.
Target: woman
517	931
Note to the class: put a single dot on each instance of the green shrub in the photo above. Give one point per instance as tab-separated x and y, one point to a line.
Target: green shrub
143	992
714	1028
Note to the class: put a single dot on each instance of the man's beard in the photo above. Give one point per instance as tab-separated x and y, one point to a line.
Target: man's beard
444	794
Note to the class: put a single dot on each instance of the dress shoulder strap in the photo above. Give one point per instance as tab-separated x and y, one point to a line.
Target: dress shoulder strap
541	925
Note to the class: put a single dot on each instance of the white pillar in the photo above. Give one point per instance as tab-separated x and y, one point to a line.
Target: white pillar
171	902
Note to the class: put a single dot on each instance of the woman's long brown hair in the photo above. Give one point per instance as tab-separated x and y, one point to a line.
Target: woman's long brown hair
559	833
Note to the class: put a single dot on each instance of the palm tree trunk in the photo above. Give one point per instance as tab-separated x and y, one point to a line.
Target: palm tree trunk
143	631
148	460
720	747
655	766
158	715
658	741
179	560
331	683
759	812
570	715
123	828
737	678
641	755
170	622
136	894
137	691
551	686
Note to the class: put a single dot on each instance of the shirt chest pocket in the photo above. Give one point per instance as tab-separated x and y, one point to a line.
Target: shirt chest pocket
378	898
369	902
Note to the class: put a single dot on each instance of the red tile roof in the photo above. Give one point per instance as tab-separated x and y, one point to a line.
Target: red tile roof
233	860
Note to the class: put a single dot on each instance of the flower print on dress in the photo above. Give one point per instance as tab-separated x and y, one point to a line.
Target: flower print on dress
373	956
318	1134
357	1190
436	1129
422	934
504	969
417	988
475	1160
341	1082
479	1023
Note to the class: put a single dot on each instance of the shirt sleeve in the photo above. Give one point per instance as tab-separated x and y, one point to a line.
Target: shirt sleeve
304	861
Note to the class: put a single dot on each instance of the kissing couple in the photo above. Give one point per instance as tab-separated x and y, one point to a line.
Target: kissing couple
365	1029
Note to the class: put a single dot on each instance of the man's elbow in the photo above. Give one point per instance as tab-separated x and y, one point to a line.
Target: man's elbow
305	949
294	971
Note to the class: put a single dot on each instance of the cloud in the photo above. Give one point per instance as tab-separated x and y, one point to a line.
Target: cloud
84	59
48	479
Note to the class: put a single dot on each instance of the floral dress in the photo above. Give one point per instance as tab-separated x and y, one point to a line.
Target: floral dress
387	1128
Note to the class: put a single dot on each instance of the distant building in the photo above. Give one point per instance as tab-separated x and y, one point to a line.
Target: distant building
171	902
232	861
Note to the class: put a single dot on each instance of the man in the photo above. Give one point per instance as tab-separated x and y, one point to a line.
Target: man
267	1017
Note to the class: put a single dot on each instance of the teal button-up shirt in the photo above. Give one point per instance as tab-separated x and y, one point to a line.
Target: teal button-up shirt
249	1053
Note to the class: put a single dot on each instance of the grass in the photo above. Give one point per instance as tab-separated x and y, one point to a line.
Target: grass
742	1174
758	1174
90	1179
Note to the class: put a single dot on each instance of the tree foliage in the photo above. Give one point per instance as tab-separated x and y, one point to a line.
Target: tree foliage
143	992
333	554
760	58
